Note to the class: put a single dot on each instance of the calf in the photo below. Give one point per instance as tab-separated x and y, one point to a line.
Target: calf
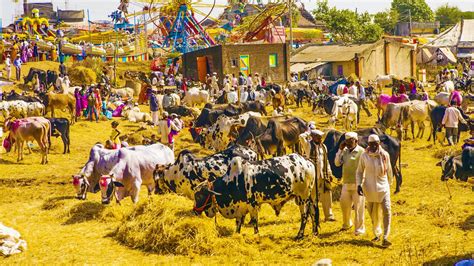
187	172
60	128
28	129
453	167
247	185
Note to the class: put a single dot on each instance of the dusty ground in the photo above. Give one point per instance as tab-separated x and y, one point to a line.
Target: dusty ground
38	200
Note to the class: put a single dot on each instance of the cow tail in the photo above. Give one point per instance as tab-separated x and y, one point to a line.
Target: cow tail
399	179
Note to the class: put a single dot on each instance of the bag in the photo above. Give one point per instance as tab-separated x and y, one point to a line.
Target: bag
108	114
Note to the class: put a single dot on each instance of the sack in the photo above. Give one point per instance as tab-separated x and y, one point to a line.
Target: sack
108	114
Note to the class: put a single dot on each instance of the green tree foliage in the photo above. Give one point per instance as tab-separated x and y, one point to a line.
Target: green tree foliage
347	25
448	15
387	20
420	11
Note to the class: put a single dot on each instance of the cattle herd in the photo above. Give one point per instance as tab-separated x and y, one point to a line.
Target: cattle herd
240	176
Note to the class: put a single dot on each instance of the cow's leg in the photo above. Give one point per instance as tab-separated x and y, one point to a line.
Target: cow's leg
19	150
314	213
304	216
135	193
239	221
398	179
64	139
254	218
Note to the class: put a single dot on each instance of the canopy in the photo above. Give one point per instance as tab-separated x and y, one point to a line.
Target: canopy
302	67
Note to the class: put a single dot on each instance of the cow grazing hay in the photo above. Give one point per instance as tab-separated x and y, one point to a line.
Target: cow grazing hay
166	225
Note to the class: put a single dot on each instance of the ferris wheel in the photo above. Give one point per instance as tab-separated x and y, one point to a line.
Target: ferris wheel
179	22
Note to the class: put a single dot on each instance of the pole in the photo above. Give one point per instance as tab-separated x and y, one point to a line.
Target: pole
89	23
115	58
409	17
291	25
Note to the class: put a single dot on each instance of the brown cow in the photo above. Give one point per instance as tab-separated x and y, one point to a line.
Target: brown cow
278	135
53	101
28	129
278	100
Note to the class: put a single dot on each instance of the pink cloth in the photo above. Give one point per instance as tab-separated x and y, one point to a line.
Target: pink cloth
385	99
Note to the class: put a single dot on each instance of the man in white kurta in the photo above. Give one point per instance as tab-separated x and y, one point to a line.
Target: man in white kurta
319	155
373	178
348	157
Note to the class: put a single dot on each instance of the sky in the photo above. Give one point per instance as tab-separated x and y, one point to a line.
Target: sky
100	9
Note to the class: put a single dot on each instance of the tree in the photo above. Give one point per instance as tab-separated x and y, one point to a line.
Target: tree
347	25
448	15
387	20
419	9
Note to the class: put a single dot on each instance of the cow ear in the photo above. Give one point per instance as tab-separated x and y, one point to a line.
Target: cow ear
118	184
438	164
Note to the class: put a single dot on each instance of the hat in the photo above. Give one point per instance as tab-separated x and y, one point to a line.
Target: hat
214	73
174	115
317	132
165	114
92	85
351	135
136	104
374	138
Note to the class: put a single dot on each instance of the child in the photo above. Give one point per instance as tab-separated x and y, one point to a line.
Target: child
114	136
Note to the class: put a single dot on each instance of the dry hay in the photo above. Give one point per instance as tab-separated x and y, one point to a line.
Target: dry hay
80	75
165	225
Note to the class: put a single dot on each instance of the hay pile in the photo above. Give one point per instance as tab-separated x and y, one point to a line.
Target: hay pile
166	225
80	75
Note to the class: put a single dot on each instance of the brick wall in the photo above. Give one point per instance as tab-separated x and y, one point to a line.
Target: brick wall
258	59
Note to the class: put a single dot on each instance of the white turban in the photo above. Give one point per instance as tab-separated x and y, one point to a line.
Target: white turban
374	138
351	135
317	132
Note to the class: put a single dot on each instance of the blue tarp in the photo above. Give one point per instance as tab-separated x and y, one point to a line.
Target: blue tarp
333	87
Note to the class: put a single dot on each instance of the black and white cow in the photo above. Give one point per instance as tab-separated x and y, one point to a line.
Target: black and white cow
188	171
247	185
458	167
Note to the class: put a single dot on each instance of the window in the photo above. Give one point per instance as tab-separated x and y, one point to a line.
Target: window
340	71
273	60
234	62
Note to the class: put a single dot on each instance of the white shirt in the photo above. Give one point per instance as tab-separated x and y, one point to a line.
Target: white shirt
249	81
243	96
374	174
232	97
8	62
451	117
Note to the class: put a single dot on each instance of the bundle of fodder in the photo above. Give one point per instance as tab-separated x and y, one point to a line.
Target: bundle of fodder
167	225
79	75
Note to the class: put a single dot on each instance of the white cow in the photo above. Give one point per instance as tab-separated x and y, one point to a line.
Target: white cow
135	115
100	162
133	169
442	98
343	108
195	96
35	109
124	92
382	81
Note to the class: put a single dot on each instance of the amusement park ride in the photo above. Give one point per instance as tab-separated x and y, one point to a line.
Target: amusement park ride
174	25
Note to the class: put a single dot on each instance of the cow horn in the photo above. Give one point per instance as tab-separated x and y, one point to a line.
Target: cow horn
213	192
